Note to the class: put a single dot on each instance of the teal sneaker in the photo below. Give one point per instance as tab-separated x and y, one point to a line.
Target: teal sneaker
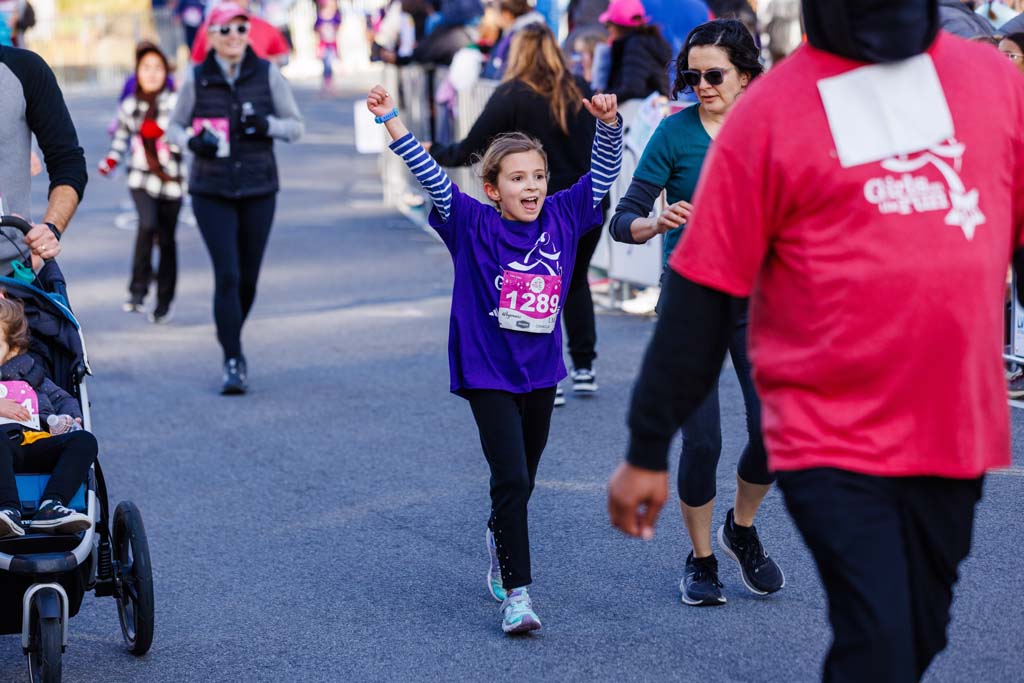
517	615
494	570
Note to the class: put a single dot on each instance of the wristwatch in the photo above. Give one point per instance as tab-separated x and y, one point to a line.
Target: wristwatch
54	230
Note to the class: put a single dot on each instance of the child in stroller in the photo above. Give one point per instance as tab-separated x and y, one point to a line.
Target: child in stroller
66	450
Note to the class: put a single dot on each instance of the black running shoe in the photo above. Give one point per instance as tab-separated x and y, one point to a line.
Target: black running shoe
700	586
162	314
760	573
54	518
10	523
234	377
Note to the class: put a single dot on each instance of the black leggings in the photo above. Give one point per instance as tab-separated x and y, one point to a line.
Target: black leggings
67	456
702	436
158	219
578	310
235	233
513	432
888	551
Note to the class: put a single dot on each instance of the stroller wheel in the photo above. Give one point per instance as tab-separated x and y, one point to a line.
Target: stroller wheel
134	578
45	645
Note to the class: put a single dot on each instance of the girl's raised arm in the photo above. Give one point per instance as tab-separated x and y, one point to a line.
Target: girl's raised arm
431	176
606	154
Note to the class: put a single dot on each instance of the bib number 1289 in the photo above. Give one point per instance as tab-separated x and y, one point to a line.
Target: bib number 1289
529	303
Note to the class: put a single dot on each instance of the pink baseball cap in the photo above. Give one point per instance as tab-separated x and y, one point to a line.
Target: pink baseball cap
625	13
225	12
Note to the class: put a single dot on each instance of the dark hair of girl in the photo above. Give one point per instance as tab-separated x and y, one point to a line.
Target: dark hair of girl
730	35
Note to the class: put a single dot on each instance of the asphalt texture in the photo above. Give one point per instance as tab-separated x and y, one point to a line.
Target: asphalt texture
329	525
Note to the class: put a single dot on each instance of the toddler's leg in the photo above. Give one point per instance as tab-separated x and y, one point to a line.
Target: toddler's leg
69	456
8	485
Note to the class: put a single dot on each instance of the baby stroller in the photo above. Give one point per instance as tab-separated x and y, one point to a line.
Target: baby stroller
43	577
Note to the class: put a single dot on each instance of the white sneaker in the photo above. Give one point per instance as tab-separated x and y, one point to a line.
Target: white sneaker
559	397
517	615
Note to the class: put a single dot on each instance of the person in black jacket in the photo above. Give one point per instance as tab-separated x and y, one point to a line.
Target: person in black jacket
639	53
541	98
228	114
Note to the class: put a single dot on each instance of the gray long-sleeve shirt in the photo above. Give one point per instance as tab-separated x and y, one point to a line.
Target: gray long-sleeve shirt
285	123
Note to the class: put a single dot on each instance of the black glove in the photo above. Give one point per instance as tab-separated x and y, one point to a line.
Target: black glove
205	144
255	126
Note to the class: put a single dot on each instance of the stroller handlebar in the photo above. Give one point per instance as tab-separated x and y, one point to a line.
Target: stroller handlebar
20	224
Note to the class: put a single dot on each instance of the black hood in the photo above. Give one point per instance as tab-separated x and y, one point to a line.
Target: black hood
871	30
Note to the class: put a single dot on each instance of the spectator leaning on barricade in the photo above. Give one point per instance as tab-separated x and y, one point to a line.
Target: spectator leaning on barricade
958	17
515	15
639	53
876	231
718	61
229	111
33	105
541	98
154	178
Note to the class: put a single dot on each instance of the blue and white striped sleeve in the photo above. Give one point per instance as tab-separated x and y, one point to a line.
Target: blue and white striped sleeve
605	158
431	176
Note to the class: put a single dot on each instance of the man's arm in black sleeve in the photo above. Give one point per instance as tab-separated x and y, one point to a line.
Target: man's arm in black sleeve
680	367
49	119
1018	269
638	202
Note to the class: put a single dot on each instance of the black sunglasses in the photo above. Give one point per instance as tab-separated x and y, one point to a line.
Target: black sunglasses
240	29
712	76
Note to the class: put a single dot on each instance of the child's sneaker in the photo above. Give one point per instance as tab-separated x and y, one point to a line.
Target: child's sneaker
54	518
133	304
559	397
10	523
162	314
517	615
494	570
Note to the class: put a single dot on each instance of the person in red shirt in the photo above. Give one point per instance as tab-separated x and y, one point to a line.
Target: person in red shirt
265	40
873	245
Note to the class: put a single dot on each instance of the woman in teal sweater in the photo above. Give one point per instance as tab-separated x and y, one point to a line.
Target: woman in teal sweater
718	60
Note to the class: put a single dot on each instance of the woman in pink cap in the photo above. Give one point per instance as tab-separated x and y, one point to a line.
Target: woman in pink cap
230	110
640	55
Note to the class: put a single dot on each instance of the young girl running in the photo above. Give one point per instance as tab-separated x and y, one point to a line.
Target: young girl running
505	340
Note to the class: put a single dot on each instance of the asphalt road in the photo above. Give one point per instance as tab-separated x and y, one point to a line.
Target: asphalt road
329	525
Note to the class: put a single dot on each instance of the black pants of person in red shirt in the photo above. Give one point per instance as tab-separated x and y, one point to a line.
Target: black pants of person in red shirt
887	550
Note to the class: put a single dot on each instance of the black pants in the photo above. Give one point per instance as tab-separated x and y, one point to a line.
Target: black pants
513	432
67	456
887	550
158	219
578	309
702	435
235	233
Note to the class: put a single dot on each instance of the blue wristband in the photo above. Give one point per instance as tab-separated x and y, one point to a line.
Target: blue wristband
393	114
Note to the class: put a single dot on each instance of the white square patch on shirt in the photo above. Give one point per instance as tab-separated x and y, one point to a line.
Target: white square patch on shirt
883	110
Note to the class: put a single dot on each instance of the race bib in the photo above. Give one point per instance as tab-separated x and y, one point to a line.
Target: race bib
529	303
23	393
219	127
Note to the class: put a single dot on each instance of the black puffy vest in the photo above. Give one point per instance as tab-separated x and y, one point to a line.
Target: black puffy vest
251	169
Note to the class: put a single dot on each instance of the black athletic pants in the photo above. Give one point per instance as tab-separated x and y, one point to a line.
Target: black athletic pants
887	550
513	432
235	233
702	435
158	219
578	310
67	457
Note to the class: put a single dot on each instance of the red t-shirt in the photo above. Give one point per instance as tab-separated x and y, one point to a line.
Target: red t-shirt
876	302
266	41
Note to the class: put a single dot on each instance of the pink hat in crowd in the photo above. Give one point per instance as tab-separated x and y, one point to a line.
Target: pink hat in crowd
225	12
625	13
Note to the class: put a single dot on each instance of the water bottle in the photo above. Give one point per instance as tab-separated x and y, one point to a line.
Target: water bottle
62	424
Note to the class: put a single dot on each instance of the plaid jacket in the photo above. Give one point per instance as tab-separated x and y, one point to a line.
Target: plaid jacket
127	148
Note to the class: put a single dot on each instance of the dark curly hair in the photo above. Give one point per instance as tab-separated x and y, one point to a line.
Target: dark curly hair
730	35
